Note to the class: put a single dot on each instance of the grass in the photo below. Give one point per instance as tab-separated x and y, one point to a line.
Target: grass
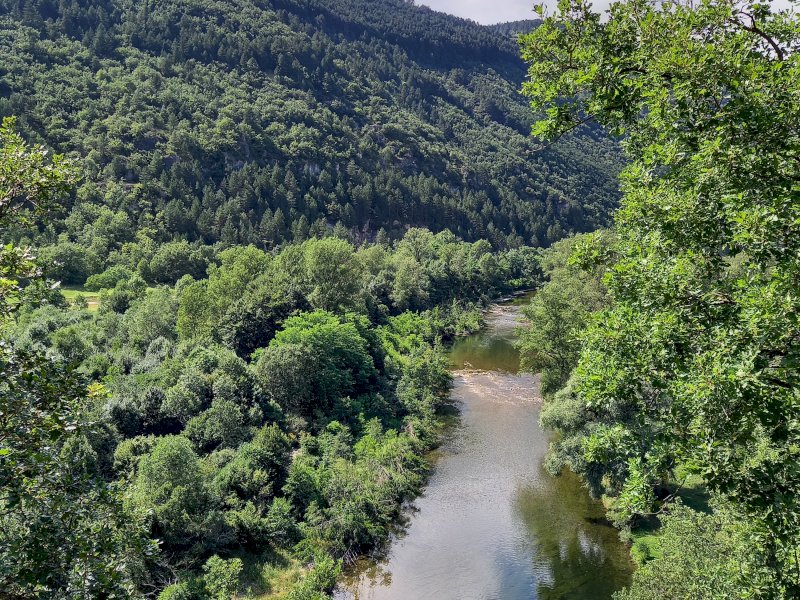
645	537
645	542
73	292
269	576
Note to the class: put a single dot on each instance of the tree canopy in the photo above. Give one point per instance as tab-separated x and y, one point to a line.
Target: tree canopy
61	526
694	367
274	409
238	123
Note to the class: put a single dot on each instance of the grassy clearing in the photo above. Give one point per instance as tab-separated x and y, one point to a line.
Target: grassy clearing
645	538
72	293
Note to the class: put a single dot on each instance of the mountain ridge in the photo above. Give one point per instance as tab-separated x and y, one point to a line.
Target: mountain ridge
266	122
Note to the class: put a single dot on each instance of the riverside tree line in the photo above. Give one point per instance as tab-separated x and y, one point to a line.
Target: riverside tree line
229	431
669	344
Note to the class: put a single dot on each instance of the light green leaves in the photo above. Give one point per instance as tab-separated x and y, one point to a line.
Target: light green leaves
695	364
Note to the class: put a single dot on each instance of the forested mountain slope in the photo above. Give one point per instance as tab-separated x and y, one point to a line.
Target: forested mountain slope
215	437
515	28
264	122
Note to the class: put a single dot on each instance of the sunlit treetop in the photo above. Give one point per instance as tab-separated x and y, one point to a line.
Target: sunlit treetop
696	364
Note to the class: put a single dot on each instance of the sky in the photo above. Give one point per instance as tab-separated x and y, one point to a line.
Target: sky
485	11
499	11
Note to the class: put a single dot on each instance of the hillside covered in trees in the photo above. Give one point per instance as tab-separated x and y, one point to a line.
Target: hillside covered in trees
286	208
283	210
266	122
225	433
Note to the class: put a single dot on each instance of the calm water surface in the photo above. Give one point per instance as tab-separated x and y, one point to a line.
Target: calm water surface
492	524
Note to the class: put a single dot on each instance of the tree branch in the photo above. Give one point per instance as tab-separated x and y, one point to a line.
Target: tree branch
753	28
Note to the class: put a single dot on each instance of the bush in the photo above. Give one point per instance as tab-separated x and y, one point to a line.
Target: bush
67	262
108	278
222	577
173	260
192	589
319	581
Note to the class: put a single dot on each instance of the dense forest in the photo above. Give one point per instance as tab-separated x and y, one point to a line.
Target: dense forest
269	415
238	123
236	238
669	344
237	394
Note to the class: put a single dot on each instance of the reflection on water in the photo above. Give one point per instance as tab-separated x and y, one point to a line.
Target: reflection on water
491	349
577	552
492	524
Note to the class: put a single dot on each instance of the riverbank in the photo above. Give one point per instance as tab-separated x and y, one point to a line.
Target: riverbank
491	523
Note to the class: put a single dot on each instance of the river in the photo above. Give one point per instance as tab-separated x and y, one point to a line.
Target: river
492	524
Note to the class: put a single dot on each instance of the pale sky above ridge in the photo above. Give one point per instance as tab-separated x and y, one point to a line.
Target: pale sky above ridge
485	11
499	11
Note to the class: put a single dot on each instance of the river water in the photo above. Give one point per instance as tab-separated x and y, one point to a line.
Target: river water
492	524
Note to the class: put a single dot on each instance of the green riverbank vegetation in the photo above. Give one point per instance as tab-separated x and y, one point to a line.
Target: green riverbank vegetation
243	432
670	344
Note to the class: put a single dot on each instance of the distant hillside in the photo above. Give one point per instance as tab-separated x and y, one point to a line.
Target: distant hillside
265	121
514	28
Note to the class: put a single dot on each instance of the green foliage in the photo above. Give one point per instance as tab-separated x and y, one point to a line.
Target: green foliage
175	259
317	582
255	123
333	274
241	304
220	426
324	358
63	529
124	293
703	556
108	278
221	577
695	363
257	470
31	182
288	371
350	493
193	589
313	441
558	314
425	381
170	484
67	262
60	523
267	402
